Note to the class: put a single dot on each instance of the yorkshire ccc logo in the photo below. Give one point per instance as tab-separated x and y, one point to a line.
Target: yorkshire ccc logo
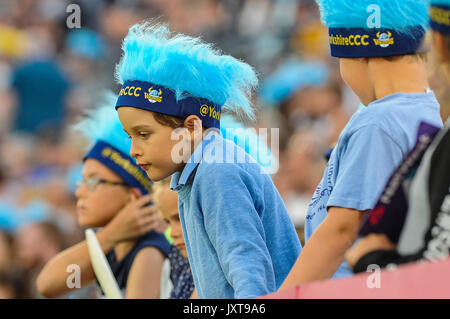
153	96
384	40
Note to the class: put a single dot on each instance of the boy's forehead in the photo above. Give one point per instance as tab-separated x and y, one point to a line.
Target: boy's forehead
88	168
92	167
131	117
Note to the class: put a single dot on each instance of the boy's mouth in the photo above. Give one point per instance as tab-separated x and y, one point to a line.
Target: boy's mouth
180	246
145	167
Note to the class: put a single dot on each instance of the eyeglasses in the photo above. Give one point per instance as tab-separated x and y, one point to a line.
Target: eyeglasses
93	182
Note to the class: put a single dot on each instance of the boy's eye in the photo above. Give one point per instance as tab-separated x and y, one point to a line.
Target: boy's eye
144	135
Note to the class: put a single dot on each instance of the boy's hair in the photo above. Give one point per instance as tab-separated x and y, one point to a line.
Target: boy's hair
168	120
188	66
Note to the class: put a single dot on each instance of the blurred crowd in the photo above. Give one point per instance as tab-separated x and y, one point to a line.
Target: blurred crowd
51	73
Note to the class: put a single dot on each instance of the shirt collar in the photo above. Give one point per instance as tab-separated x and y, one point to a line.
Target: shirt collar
180	179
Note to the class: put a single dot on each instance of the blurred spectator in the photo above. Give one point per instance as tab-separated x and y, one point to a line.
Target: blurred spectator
41	89
7	286
36	244
300	172
6	251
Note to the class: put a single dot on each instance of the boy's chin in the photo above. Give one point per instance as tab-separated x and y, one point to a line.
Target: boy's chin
156	175
86	223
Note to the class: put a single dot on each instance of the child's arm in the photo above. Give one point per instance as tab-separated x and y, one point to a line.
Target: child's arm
132	221
51	282
365	164
144	279
370	243
325	250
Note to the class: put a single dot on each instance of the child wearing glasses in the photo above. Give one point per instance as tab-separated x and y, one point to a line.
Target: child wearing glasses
114	195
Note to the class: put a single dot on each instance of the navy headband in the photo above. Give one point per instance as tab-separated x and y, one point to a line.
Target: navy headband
440	18
370	43
160	99
121	164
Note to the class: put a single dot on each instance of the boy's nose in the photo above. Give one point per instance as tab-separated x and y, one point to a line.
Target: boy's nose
80	192
134	150
175	232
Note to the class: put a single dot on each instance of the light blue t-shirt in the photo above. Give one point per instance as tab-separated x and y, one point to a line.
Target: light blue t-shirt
370	147
239	237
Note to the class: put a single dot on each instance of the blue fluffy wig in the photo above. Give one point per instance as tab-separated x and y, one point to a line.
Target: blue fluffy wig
440	2
186	65
289	78
395	14
102	124
248	140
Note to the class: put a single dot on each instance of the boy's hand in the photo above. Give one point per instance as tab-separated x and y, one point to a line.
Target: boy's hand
134	220
366	245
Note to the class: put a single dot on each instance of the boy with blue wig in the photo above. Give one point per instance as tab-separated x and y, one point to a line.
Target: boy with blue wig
240	240
413	223
379	44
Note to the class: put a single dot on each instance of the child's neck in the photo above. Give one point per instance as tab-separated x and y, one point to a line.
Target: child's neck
123	248
403	75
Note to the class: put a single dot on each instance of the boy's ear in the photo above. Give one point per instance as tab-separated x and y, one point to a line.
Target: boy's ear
192	122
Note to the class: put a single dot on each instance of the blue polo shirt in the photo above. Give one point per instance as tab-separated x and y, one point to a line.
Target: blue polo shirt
239	237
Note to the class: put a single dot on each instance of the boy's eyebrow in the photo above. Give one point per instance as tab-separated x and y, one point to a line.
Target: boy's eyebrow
139	127
90	174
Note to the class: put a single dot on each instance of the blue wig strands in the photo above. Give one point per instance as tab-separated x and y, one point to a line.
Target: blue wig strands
394	14
248	140
102	124
375	28
440	2
290	77
187	66
111	145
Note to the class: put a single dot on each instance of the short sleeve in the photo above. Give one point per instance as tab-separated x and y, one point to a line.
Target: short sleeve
366	162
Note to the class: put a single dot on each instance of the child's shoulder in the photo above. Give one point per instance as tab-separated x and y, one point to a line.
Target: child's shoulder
395	118
396	111
223	157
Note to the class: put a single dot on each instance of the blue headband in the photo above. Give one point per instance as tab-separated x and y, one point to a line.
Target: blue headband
370	43
121	164
440	18
160	99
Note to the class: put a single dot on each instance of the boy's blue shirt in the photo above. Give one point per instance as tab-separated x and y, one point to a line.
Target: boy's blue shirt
370	147
240	239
